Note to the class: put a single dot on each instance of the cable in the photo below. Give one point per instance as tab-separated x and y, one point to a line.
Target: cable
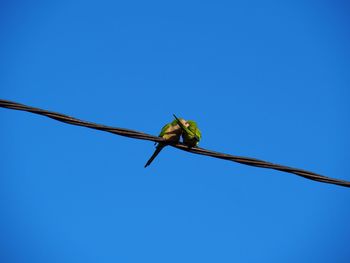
195	150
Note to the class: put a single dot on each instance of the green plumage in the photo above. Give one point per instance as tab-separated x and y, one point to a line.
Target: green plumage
191	135
171	132
191	138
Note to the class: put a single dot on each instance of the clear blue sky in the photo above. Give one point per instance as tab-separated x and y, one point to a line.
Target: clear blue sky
265	79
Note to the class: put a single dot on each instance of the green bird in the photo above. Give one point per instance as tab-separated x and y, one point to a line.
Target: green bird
191	135
171	132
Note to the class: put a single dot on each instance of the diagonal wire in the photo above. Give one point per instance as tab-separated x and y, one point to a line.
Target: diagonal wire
195	150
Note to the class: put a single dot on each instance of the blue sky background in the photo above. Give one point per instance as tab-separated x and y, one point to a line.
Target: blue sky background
263	79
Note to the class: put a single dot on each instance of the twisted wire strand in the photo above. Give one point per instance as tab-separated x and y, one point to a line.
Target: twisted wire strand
196	150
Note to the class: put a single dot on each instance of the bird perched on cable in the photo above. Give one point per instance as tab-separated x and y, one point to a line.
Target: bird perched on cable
170	132
191	135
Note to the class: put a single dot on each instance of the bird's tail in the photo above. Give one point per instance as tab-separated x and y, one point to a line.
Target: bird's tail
154	155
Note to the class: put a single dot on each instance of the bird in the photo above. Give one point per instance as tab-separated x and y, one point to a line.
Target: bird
191	135
171	132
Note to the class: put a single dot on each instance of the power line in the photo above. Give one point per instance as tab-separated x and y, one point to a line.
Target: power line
195	150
